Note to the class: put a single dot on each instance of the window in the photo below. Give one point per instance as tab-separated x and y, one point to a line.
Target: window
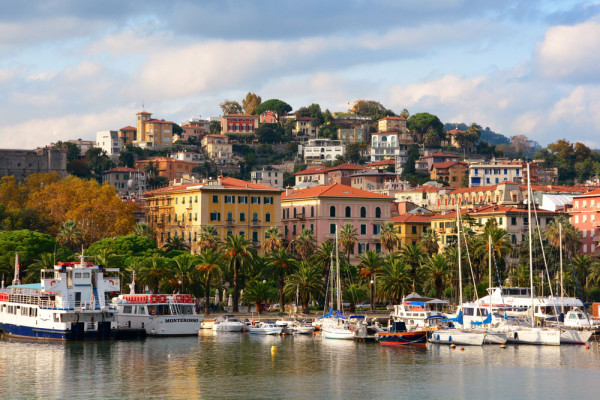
215	216
229	199
255	236
378	212
363	229
513	220
268	200
332	211
294	230
348	212
332	229
414	230
254	216
243	199
363	212
229	216
268	217
215	199
255	199
242	217
376	229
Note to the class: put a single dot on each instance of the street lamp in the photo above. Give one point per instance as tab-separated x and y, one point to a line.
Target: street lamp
181	283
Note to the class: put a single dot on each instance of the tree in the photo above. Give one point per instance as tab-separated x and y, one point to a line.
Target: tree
323	257
434	273
388	236
209	238
277	106
347	239
306	282
412	255
230	107
126	159
98	161
404	113
154	272
422	123
501	246
238	253
354	153
176	243
250	103
571	236
45	261
144	230
210	267
126	247
370	263
280	264
258	292
372	109
273	240
214	128
269	133
395	279
314	112
305	244
69	235
430	242
354	293
184	273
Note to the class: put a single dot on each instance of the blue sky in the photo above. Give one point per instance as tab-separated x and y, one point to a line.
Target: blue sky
71	68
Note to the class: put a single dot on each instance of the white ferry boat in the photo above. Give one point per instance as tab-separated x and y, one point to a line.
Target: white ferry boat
70	303
158	314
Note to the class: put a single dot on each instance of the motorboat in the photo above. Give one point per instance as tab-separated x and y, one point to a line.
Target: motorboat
228	323
265	328
415	311
158	314
70	303
398	335
207	324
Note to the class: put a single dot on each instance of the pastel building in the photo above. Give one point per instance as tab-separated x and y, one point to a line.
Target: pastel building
126	181
585	216
239	124
168	167
218	148
153	133
319	150
322	208
109	142
232	206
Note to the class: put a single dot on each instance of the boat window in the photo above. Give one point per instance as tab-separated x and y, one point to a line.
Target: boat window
141	309
580	316
185	309
86	274
56	319
77	274
572	316
152	310
163	309
468	311
126	309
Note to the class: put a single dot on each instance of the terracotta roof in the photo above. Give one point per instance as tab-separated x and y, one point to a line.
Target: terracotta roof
217	135
592	193
120	169
159	121
232	183
395	118
226	183
335	190
128	128
553	188
304	119
412	218
448	164
455	130
441	154
145	112
476	189
346	167
240	115
382	162
385	133
313	171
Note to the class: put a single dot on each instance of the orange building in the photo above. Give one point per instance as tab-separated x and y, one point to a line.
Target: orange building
451	172
168	167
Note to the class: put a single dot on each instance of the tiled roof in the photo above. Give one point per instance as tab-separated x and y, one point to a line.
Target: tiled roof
441	154
226	183
554	188
145	112
304	119
382	162
384	133
128	128
313	170
335	190
455	130
159	121
592	193
120	169
232	183
217	136
476	189
448	164
240	115
346	167
395	118
412	218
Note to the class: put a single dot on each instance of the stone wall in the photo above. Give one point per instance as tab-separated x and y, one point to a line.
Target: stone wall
22	163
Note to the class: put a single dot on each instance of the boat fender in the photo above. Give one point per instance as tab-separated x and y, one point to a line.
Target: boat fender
516	336
437	337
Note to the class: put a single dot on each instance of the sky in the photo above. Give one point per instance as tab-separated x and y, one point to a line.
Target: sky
71	68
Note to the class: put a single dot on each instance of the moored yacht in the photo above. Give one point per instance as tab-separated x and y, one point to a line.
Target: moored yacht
228	323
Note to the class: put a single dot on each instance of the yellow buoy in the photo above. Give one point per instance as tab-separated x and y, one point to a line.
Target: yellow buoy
273	350
502	346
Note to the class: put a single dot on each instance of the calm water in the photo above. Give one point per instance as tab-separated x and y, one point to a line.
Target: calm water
228	365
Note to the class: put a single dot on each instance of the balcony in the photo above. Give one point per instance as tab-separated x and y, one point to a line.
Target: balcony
440	230
255	222
230	222
301	216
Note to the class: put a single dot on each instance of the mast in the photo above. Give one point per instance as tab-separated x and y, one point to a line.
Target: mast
16	280
562	293
337	271
530	245
490	271
460	298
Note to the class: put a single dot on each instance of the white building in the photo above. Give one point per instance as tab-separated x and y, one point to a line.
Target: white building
84	145
494	172
390	145
109	142
320	150
128	182
188	156
271	178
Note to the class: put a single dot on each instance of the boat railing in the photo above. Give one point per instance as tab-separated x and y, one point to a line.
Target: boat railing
30	299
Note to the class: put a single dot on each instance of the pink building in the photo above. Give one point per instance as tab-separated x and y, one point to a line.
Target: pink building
321	208
585	216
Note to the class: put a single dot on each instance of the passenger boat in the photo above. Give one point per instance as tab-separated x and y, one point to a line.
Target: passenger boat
158	314
397	335
265	328
415	311
70	303
228	323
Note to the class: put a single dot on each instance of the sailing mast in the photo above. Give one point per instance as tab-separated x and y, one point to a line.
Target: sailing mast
530	245
560	246
460	298
490	271
337	272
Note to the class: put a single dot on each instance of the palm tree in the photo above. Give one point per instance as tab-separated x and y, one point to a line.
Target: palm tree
273	239
323	257
582	264
106	257
210	267
280	264
307	282
305	244
347	239
519	275
355	293
208	238
430	242
412	255
369	265
395	279
473	134
571	236
176	243
183	272
258	292
135	267
69	235
239	254
45	261
501	247
435	273
142	229
388	236
153	273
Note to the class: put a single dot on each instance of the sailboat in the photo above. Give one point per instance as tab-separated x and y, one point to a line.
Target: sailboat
334	324
453	335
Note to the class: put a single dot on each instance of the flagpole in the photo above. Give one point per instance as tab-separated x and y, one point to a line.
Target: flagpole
16	280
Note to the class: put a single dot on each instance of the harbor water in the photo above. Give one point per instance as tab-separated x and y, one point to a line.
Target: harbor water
234	366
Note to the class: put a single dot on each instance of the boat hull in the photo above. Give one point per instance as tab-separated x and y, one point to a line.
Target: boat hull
535	336
228	327
573	336
261	331
403	338
340	334
461	338
77	332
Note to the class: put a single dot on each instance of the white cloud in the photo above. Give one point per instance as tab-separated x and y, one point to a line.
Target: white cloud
571	53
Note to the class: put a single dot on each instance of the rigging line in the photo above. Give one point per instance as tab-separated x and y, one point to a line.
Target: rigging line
462	228
575	278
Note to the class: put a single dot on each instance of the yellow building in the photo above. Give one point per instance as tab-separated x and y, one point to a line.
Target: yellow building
411	228
218	148
232	206
153	132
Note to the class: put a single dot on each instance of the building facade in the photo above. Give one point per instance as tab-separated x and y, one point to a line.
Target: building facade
451	172
265	177
323	208
232	206
168	167
218	148
127	182
317	151
304	129
22	163
354	134
585	216
153	133
494	172
109	142
239	124
411	228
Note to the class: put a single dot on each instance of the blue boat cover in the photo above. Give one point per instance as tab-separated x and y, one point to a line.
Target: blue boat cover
458	318
487	320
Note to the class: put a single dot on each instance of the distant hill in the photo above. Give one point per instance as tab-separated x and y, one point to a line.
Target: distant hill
487	135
